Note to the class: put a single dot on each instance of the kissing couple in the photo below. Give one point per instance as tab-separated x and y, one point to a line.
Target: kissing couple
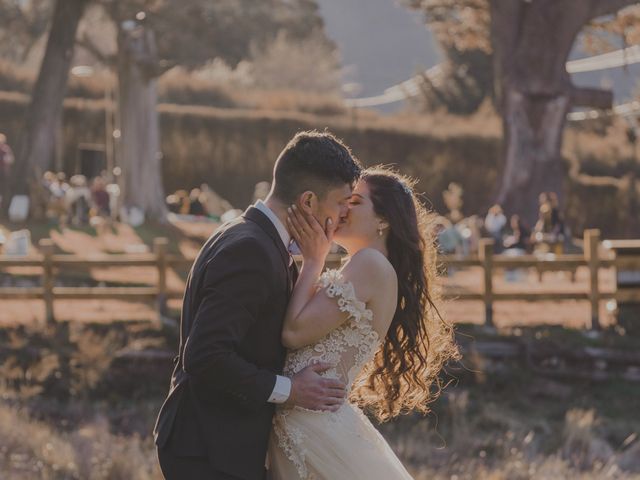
276	365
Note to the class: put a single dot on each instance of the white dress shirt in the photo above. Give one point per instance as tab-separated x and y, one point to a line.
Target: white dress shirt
282	389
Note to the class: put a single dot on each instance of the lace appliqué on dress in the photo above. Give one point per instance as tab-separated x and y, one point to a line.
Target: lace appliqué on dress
290	440
350	347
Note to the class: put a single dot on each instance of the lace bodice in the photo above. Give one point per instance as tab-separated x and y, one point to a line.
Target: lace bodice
351	345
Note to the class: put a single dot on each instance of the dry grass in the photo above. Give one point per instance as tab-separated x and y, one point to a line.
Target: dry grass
31	449
600	148
486	444
494	441
477	438
72	408
61	414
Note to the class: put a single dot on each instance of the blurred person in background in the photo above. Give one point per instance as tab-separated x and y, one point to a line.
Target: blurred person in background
543	225
57	205
78	199
548	233
196	206
215	205
495	223
520	236
557	220
448	237
100	198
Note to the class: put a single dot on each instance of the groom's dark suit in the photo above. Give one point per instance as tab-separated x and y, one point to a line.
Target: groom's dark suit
230	350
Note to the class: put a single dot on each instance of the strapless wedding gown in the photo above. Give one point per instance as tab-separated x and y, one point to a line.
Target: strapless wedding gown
342	445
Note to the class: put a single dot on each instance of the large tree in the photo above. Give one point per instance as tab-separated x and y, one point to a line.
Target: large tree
531	45
37	144
530	42
140	155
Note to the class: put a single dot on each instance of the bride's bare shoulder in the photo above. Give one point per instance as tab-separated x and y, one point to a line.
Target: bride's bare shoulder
371	267
373	258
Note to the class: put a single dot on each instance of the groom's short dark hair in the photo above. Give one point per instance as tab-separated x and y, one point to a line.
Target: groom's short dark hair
315	161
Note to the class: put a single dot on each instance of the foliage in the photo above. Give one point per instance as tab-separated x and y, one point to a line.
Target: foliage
465	83
600	35
22	23
192	32
463	31
308	64
189	33
459	25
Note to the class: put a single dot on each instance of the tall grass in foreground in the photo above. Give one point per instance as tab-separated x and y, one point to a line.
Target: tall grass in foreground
31	449
494	443
70	408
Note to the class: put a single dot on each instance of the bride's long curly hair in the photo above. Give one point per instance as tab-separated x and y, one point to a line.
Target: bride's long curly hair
404	375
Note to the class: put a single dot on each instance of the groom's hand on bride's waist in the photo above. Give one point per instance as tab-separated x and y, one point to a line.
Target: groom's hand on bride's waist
312	391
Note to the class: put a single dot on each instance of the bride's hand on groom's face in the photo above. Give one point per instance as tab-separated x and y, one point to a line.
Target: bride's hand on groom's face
312	391
313	240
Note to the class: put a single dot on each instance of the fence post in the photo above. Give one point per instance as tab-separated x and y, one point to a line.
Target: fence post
160	246
46	247
591	243
486	258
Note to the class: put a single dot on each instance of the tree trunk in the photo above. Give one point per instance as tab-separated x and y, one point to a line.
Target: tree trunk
139	150
531	44
37	145
533	128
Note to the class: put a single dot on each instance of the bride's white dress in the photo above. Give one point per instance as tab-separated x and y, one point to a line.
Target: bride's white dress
344	445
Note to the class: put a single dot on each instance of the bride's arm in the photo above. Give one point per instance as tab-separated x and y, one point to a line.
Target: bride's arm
315	313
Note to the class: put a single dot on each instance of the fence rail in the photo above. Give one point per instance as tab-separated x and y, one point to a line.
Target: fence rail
162	261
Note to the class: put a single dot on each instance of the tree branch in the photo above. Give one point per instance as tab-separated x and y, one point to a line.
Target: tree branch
606	7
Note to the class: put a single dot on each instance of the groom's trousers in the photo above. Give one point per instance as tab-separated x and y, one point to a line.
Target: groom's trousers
193	468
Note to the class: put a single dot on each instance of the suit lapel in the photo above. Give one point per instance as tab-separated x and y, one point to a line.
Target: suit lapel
254	215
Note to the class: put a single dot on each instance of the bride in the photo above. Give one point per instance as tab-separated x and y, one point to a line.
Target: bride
375	320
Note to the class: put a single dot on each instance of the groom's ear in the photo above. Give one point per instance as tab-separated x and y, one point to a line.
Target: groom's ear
307	201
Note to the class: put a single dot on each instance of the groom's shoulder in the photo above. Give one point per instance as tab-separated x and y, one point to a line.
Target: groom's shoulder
240	234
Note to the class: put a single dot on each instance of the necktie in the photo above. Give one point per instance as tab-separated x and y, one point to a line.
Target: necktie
293	268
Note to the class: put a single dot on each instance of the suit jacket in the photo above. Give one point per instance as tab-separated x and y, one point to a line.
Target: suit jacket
230	348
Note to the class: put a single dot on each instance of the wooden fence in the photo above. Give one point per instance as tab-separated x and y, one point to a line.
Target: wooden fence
162	260
490	263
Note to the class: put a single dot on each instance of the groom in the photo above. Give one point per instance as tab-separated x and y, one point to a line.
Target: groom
216	420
